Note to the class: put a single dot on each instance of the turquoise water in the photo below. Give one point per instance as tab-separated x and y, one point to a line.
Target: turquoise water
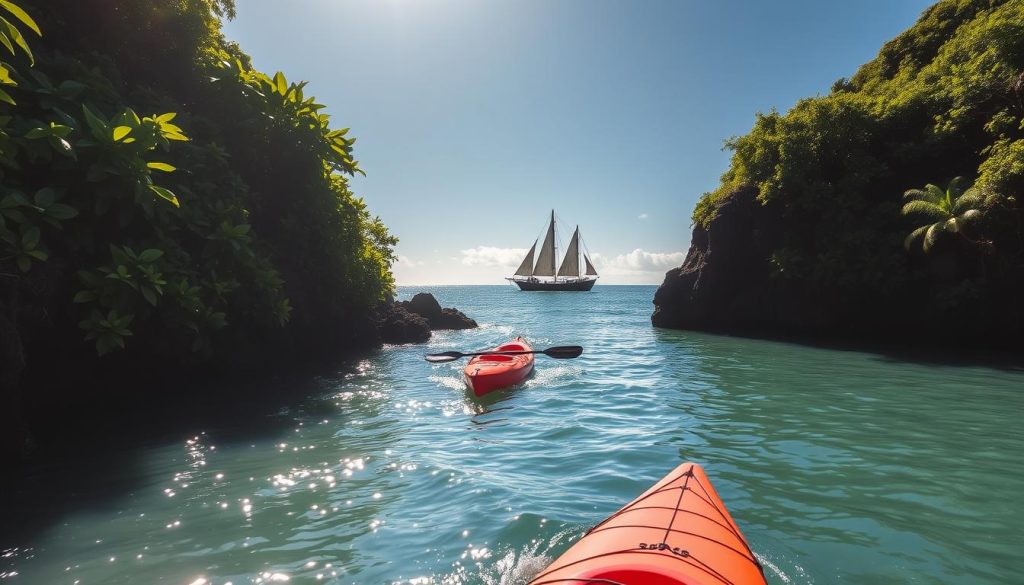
839	466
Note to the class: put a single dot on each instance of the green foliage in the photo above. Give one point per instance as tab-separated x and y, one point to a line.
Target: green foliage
222	217
11	37
108	330
945	98
286	105
952	209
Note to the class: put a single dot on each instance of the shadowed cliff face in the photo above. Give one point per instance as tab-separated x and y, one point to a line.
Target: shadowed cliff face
724	282
827	256
727	282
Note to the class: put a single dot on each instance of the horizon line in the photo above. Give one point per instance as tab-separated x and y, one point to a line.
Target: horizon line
505	285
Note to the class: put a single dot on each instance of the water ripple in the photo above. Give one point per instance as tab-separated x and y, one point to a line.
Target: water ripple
841	467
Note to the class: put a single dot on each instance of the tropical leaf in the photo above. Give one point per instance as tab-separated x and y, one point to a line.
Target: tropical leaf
953	188
165	194
96	124
120	132
931	235
925	208
909	241
7	43
935	193
21	15
160	166
971	215
5	76
85	296
151	255
972	199
15	35
45	197
61	211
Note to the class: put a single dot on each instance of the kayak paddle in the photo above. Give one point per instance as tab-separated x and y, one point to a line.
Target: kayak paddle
562	352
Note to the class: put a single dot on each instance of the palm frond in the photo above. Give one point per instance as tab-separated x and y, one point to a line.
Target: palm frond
909	241
971	215
925	208
955	186
935	193
973	198
952	225
931	235
915	194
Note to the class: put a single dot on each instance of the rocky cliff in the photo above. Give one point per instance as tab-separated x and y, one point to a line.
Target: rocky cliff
726	283
888	210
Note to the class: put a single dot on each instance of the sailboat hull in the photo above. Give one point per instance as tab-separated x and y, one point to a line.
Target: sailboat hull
580	285
569	277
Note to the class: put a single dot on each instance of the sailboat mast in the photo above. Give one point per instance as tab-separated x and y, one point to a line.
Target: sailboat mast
554	256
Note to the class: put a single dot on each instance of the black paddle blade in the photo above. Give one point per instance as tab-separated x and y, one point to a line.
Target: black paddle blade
448	356
564	352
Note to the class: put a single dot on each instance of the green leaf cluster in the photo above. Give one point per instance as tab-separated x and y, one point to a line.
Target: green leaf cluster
951	210
189	234
943	99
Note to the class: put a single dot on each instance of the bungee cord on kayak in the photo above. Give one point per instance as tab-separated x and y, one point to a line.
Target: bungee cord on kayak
688	475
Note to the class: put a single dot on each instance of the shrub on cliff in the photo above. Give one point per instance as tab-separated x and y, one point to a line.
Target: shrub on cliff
222	216
943	99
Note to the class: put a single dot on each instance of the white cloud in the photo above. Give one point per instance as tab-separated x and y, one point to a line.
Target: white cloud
491	256
642	216
639	260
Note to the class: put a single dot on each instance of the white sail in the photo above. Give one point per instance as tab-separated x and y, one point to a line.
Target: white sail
546	259
590	267
526	268
571	262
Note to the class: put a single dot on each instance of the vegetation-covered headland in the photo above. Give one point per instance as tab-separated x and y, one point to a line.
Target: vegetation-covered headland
888	210
164	206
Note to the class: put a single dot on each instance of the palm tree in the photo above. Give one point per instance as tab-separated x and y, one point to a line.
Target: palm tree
950	210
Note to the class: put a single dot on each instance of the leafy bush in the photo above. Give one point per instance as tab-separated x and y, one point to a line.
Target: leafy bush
224	215
943	99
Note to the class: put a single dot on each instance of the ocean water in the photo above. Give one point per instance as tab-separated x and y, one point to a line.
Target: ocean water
839	466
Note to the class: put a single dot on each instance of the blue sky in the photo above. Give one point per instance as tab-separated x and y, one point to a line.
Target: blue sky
475	118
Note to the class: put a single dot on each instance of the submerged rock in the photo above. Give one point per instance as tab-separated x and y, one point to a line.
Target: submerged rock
425	305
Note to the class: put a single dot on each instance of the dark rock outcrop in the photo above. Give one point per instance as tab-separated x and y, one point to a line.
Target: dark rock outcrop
725	282
425	305
412	321
728	284
397	324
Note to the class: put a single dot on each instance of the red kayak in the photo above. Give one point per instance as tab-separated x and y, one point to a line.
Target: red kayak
490	372
676	533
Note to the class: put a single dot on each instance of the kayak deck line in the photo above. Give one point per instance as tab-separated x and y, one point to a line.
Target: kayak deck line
695	541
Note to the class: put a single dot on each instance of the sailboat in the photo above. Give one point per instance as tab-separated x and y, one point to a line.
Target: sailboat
567	277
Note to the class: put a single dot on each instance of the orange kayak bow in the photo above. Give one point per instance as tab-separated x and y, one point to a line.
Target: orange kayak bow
676	533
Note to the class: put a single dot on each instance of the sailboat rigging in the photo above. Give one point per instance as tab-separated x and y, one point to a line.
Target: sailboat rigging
532	276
